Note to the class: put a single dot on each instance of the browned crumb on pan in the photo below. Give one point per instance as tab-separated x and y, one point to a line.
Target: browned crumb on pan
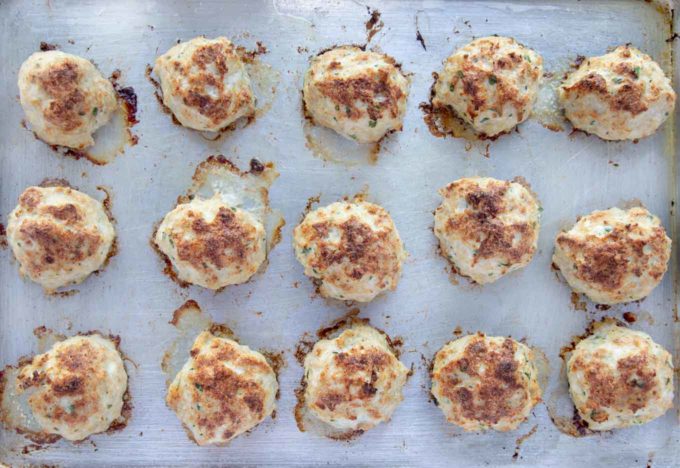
182	310
249	56
374	24
3	236
419	36
521	439
577	303
629	317
46	46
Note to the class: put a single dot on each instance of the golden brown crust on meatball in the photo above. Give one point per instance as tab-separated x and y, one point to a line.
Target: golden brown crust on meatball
497	238
199	95
620	95
59	235
484	382
205	84
619	377
614	255
224	390
373	87
352	383
62	85
491	83
79	386
65	98
57	248
605	263
353	249
487	227
358	93
220	242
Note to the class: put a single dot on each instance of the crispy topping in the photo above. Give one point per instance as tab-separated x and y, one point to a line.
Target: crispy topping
223	241
499	392
207	91
30	198
67	213
628	97
67	106
487	88
359	245
482	224
608	261
80	371
627	389
223	397
55	248
374	89
358	371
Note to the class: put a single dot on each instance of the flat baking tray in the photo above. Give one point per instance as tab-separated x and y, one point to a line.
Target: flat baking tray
572	174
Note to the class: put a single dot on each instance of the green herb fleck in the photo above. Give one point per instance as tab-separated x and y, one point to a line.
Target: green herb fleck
484	119
452	88
94	111
636	70
492	79
199	387
460	73
372	123
337	107
617	80
527	58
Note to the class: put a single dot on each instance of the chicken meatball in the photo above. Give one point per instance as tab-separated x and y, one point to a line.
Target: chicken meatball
223	390
353	382
360	94
351	249
59	236
490	83
487	227
483	382
211	243
622	95
78	386
65	98
614	256
205	84
619	378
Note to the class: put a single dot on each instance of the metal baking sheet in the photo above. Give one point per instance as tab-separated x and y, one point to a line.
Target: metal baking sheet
572	174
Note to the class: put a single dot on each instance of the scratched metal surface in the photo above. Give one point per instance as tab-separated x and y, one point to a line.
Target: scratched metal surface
571	174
